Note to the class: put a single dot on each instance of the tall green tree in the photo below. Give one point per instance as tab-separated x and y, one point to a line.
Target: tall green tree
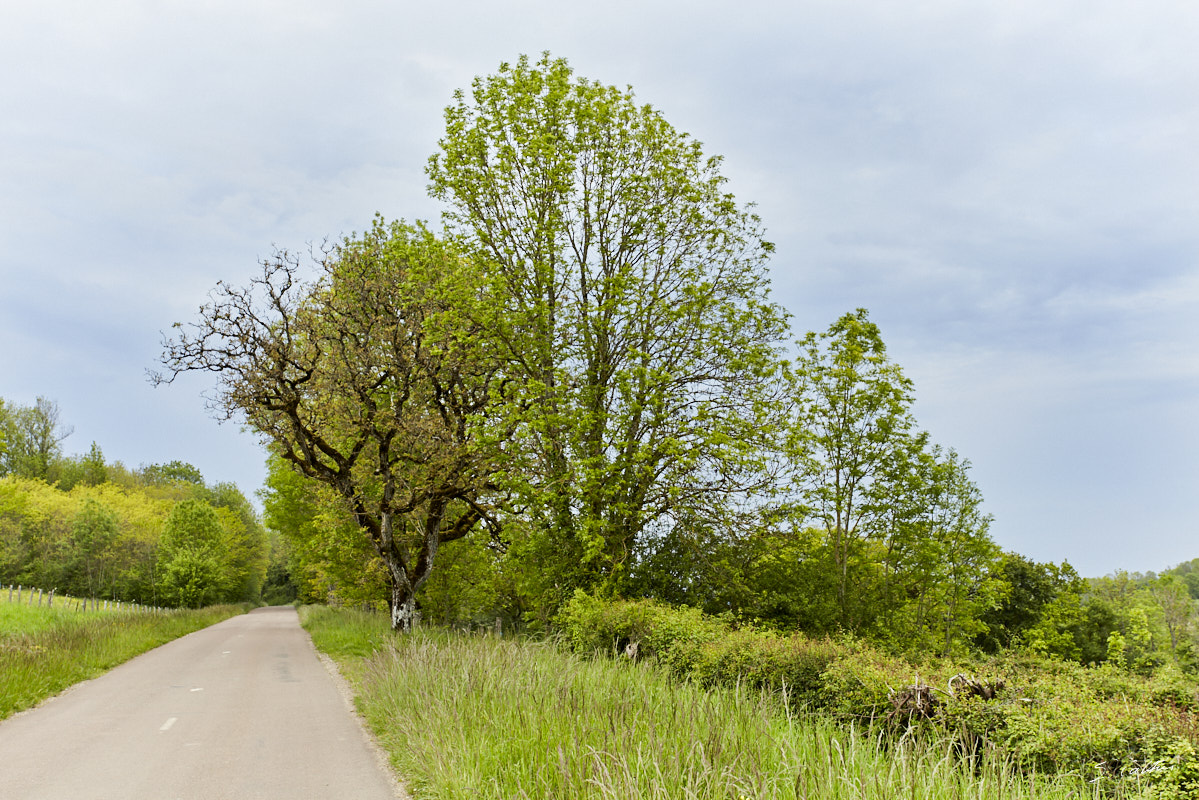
86	470
855	449
93	539
939	558
637	322
245	540
1173	597
370	379
193	561
900	524
33	439
1041	596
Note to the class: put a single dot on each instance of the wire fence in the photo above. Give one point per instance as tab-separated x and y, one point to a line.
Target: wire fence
35	596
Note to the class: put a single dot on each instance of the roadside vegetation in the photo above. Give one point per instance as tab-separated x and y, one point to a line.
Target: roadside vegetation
1123	733
45	650
157	534
576	413
475	716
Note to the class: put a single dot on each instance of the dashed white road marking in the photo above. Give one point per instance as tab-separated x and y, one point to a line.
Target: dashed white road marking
166	726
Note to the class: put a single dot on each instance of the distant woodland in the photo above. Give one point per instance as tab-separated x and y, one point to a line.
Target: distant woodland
87	527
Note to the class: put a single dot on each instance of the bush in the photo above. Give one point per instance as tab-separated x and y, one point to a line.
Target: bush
650	629
1041	715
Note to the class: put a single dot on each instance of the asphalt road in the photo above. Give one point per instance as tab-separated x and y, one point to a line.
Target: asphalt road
243	709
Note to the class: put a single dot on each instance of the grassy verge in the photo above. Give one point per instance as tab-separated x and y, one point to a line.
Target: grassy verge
479	717
45	650
1113	728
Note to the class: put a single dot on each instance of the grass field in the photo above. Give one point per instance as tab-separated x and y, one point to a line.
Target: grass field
479	717
45	650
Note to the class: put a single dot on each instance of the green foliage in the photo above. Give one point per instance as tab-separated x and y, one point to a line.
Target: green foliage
1139	622
244	543
32	439
193	560
372	380
1043	716
591	624
93	536
695	646
877	532
84	526
855	439
1040	606
582	386
278	586
172	473
51	538
1189	572
87	470
328	557
477	716
637	327
472	585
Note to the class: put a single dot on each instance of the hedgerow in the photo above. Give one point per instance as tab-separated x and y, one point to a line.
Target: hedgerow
1115	728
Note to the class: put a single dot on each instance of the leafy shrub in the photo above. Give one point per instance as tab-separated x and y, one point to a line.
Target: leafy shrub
1109	725
1169	766
1170	688
858	685
672	635
766	660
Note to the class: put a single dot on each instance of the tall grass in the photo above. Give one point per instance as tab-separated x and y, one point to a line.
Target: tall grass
479	717
45	650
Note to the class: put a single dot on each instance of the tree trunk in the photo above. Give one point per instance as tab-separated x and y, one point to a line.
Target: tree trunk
403	608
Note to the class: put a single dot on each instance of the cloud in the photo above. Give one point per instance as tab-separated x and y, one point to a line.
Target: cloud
1010	187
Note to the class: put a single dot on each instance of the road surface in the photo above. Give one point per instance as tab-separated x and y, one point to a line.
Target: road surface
243	709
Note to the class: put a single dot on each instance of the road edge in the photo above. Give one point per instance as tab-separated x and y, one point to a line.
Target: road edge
347	696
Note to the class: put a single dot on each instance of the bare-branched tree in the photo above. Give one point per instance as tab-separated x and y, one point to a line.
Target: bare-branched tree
369	378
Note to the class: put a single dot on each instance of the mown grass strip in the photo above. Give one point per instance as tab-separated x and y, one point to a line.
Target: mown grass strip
45	650
479	717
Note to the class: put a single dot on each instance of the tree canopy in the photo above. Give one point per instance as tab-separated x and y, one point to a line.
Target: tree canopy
637	323
371	379
100	530
582	384
31	438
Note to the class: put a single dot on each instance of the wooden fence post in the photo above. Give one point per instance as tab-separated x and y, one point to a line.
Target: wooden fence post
50	601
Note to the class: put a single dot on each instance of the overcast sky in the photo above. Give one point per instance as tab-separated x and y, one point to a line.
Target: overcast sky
1011	188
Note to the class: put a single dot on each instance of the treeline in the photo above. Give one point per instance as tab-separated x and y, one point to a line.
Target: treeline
84	526
582	383
927	580
860	524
